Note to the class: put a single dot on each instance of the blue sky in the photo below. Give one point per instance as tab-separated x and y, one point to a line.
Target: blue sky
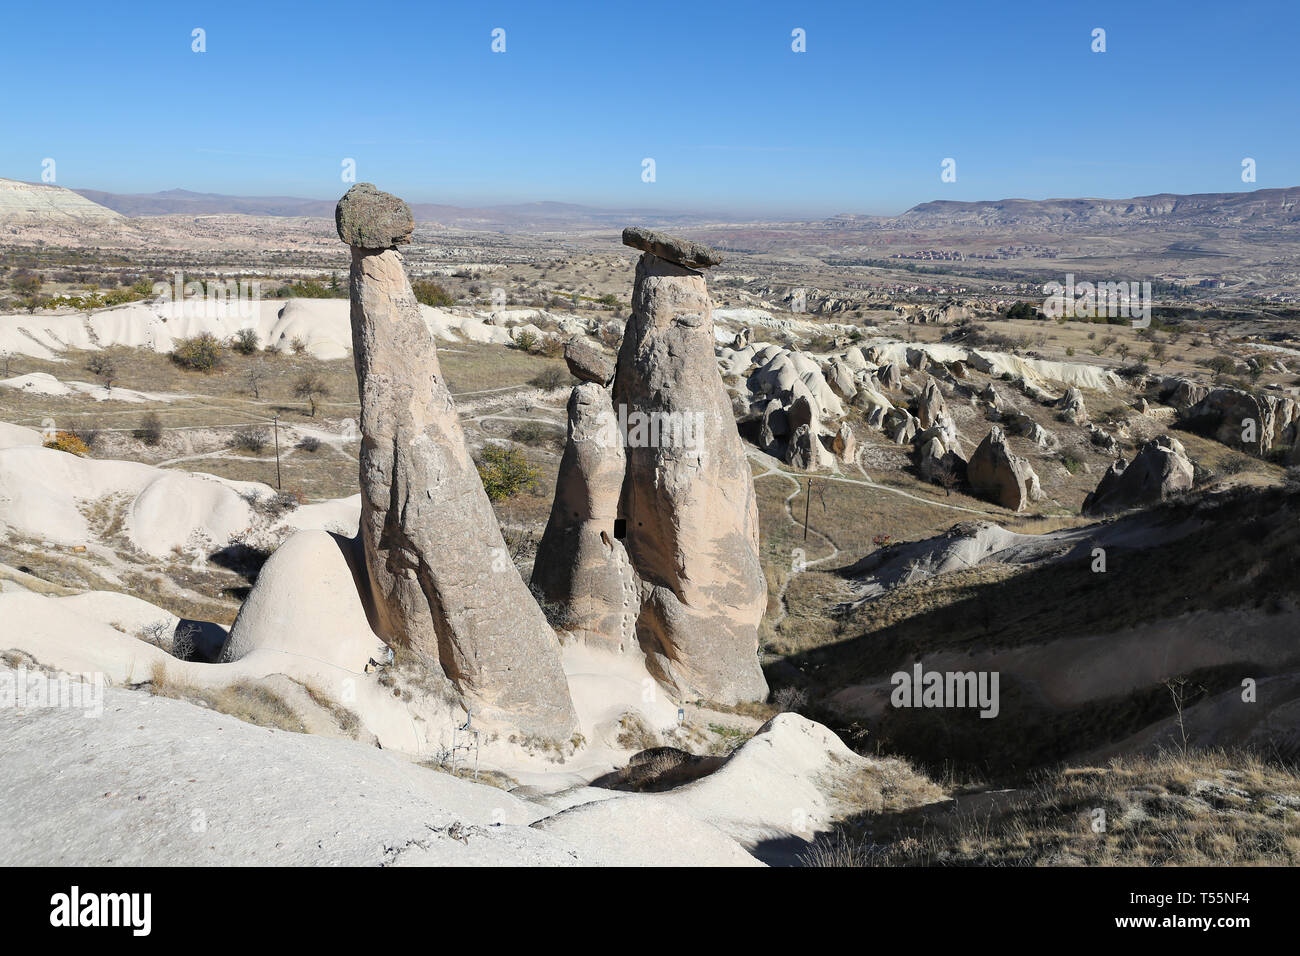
733	118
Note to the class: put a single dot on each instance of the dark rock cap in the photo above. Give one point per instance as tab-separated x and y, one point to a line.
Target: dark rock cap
684	252
371	219
587	363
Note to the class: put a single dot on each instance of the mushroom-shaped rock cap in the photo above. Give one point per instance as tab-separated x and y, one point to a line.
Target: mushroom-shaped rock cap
371	219
684	252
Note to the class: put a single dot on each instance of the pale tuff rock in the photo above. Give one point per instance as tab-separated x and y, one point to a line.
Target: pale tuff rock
1000	476
839	376
775	427
901	426
682	252
1182	393
1160	470
1072	407
692	517
1253	423
931	404
440	577
588	363
805	451
1102	439
890	375
844	445
990	397
581	565
306	603
1021	424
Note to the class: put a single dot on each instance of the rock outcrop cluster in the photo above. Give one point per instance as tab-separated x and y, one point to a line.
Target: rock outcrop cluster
672	557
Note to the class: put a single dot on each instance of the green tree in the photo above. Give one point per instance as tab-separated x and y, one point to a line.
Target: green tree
505	472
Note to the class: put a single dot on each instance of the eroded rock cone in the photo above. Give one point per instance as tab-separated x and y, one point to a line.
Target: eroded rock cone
440	577
998	475
692	517
1159	471
582	567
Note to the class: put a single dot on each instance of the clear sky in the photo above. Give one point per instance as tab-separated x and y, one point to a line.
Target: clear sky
735	120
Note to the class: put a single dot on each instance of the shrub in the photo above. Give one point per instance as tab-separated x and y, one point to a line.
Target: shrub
244	341
551	377
299	345
309	289
67	441
201	353
524	340
505	472
550	346
430	293
250	439
1234	464
87	432
1071	464
150	430
311	443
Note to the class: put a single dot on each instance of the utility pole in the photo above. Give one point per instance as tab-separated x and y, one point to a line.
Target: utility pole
806	502
275	422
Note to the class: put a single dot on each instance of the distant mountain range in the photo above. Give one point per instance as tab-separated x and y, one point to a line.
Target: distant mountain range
31	211
518	216
1266	207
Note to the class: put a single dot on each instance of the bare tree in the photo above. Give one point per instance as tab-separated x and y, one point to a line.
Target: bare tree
311	388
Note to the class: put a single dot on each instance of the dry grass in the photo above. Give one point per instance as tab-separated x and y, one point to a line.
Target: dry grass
1214	808
244	700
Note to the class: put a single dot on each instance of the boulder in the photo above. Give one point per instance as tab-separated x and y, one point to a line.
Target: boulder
369	219
439	577
691	512
582	569
682	252
997	475
1159	471
586	362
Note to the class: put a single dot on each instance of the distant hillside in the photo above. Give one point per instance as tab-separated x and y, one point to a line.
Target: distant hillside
1278	208
36	203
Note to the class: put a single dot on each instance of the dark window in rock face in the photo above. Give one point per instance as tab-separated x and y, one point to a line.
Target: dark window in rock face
620	528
